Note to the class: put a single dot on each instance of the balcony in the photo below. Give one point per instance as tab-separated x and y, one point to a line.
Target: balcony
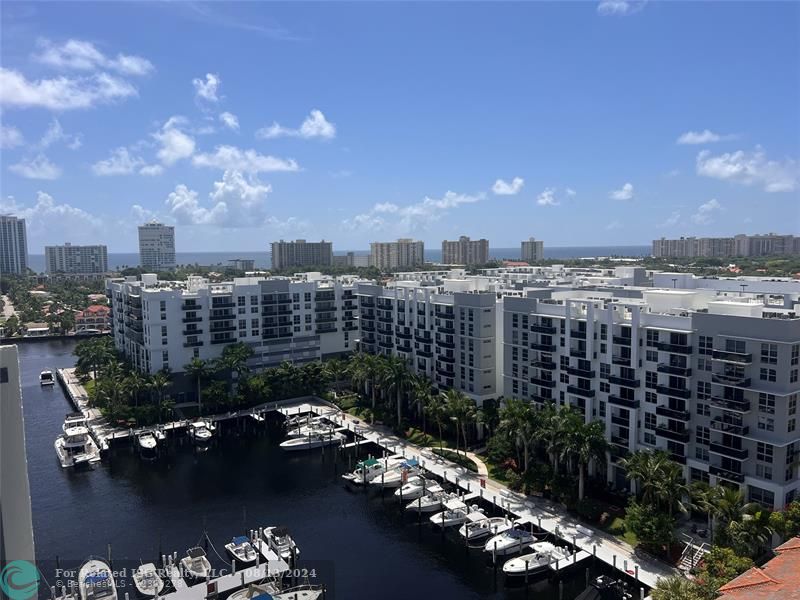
621	340
225	317
385	343
326	320
447	359
737	453
385	319
192	344
676	392
365	327
402	335
445	373
543	382
718	424
725	474
617	452
425	353
730	380
619	380
740	358
441	314
404	348
547	329
327	307
621	360
574	389
577	353
580	372
215	305
425	339
626	402
267	300
192	331
544	364
621	421
350	328
619	441
188	306
678	458
580	335
674	348
214	330
672	413
742	406
543	347
672	370
192	319
680	435
445	344
223	340
445	330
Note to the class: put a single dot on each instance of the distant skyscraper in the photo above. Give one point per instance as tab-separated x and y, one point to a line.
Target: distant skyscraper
727	247
156	246
404	252
13	245
76	259
532	250
243	264
465	252
301	253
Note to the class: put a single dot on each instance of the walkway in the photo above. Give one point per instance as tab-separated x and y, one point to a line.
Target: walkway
8	308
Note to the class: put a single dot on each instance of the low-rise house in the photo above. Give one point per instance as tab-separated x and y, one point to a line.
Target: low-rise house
96	316
36	329
778	579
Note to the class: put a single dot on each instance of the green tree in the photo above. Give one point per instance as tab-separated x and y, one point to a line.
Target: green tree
200	370
520	422
654	529
462	409
234	358
422	390
437	412
675	587
336	370
159	384
786	522
587	443
394	379
720	565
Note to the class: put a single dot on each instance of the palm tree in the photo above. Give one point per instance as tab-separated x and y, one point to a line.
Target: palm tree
335	369
729	508
421	395
675	587
749	536
356	370
587	443
521	421
234	358
394	377
159	383
646	468
671	488
463	410
200	370
135	383
372	368
437	411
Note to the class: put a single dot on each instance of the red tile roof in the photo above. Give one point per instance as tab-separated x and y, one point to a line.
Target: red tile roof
778	579
97	308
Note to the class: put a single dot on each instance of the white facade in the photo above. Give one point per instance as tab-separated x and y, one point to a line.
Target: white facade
396	255
532	250
76	259
465	251
157	246
13	245
301	253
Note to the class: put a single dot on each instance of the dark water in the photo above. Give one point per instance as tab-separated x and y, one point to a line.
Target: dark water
360	545
129	259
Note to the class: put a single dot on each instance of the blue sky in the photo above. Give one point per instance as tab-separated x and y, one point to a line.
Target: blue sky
578	123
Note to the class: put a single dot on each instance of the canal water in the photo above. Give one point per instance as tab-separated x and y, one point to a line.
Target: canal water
360	545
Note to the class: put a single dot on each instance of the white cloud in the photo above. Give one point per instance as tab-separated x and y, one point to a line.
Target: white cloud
314	126
750	168
206	89
10	137
47	220
620	8
229	120
55	134
61	93
623	193
38	167
702	137
614	225
503	188
570	192
151	170
84	56
175	144
705	212
246	161
547	198
412	216
672	220
119	163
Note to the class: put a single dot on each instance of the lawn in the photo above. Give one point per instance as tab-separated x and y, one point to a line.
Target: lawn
617	528
418	437
459	459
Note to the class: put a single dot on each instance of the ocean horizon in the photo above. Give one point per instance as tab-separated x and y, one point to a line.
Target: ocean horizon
119	260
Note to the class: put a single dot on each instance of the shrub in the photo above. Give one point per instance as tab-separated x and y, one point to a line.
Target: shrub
589	509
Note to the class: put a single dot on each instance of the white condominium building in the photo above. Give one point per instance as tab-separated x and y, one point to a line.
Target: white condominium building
709	376
76	259
532	250
301	253
727	247
13	245
156	246
396	255
465	251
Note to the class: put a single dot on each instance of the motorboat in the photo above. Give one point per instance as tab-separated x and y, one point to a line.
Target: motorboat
605	587
397	476
532	563
46	378
147	581
75	446
416	487
281	543
311	426
455	513
430	502
195	565
201	431
147	442
95	581
370	468
242	550
311	441
273	590
510	541
478	526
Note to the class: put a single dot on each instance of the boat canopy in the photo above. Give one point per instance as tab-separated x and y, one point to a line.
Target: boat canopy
240	540
370	462
196	553
280	531
410	463
263	596
454	504
476	516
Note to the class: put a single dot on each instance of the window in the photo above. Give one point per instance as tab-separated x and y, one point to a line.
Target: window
605	369
703	435
652	356
3	374
766	423
649	421
766	403
763	471
650	379
701	453
703	390
792	404
737	346
650	397
764	452
703	364
602	409
769	354
650	439
763	497
768	374
652	337
790	425
605	387
796	354
703	410
705	343
793	376
698	475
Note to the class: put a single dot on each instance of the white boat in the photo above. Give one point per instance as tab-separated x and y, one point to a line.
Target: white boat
46	378
75	446
195	565
430	502
267	590
147	581
455	513
510	541
95	581
479	526
201	431
416	487
317	440
543	555
242	550
147	442
312	426
279	540
394	478
367	470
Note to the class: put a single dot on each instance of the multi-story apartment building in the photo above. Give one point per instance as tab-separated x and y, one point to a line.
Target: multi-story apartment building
532	250
94	317
159	325
727	247
300	253
76	259
465	251
711	377
351	259
157	246
13	245
243	264
396	255
449	336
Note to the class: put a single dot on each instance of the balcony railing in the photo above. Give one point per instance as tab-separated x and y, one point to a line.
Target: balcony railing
580	372
673	370
543	347
731	380
223	340
544	364
187	306
742	358
619	441
674	348
543	382
681	435
222	329
718	424
577	353
225	317
626	402
621	340
581	335
676	392
222	305
725	474
619	380
192	344
673	413
192	319
574	389
742	406
621	421
621	360
549	329
737	453
192	331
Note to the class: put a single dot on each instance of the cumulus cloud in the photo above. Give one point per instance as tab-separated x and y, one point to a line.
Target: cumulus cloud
61	93
10	137
672	220
750	168
504	188
246	161
229	120
121	162
570	192
151	170
175	143
55	134
623	193
412	216
705	212
47	220
620	8
38	167
547	198
314	126
702	137
206	89
84	56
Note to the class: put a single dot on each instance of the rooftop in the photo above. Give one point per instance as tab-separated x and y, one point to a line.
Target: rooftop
778	579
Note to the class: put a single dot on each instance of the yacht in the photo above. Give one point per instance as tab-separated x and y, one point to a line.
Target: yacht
272	589
280	542
147	581
510	541
242	550
430	502
367	470
416	487
397	476
147	443
479	526
310	426
195	565
533	563
75	446
604	587
95	581
201	431
46	378
455	513
316	440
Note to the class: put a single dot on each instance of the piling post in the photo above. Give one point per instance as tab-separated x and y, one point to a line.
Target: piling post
53	591
641	593
109	558
636	571
526	573
614	563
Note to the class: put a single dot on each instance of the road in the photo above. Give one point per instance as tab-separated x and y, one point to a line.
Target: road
8	308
